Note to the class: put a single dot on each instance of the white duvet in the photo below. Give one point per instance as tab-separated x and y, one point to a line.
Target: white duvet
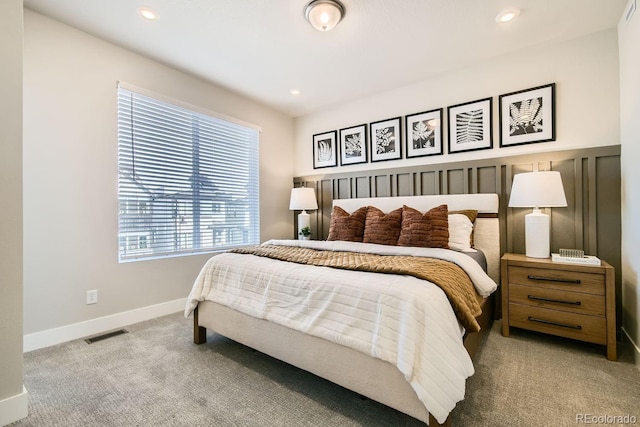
403	320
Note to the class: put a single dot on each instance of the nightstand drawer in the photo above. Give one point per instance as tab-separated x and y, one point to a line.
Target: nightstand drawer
570	325
575	302
557	279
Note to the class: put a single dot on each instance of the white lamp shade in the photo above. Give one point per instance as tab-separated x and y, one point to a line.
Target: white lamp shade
302	198
537	189
324	14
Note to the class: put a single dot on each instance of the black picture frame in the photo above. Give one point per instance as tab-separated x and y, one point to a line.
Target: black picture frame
325	150
528	116
353	145
386	139
470	126
424	134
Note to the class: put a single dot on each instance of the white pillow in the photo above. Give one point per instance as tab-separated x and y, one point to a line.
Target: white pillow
460	229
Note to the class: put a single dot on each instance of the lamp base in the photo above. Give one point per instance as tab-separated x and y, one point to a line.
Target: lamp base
537	234
304	220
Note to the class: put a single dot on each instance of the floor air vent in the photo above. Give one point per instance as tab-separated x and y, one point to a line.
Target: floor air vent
105	336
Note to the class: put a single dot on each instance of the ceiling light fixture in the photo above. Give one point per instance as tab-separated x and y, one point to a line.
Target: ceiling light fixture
507	15
148	13
295	92
324	14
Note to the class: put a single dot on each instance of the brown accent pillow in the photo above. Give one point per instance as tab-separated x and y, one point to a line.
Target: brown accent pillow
429	230
472	214
345	226
381	228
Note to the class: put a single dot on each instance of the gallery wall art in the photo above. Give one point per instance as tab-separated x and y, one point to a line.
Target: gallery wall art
525	116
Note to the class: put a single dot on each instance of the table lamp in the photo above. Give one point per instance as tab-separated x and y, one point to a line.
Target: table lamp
537	190
303	198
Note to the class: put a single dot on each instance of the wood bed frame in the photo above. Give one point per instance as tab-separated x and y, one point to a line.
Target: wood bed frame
345	366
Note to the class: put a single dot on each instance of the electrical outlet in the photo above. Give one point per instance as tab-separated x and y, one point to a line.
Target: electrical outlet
92	297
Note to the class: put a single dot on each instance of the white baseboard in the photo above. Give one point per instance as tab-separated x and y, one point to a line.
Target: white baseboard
14	408
102	324
636	353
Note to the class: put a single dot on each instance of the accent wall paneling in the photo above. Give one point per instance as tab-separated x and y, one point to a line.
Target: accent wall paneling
590	176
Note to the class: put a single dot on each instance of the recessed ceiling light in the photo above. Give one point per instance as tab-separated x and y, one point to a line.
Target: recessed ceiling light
148	13
507	15
295	92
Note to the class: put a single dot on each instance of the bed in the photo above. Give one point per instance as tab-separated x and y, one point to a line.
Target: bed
273	305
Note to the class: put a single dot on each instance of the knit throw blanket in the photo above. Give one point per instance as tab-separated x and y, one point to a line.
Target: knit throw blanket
448	276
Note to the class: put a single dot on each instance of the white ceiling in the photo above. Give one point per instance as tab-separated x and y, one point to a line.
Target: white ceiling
264	48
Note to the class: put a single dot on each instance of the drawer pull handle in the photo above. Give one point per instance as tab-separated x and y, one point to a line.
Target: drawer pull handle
559	301
553	279
548	322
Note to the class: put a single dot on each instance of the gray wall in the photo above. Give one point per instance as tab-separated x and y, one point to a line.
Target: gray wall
585	70
629	39
10	200
591	179
71	180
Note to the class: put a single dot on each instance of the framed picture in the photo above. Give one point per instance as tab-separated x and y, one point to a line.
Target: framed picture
353	145
528	116
386	140
325	150
424	133
470	126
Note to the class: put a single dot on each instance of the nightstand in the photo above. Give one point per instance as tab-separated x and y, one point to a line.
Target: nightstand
569	300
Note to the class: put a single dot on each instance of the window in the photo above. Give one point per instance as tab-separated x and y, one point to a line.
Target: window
187	181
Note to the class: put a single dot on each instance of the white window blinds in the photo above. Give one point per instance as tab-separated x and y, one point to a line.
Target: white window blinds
187	182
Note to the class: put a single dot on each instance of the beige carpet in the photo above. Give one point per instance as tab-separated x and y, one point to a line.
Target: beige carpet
155	376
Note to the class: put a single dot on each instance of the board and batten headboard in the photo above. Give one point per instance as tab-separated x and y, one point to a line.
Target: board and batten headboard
486	229
590	176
